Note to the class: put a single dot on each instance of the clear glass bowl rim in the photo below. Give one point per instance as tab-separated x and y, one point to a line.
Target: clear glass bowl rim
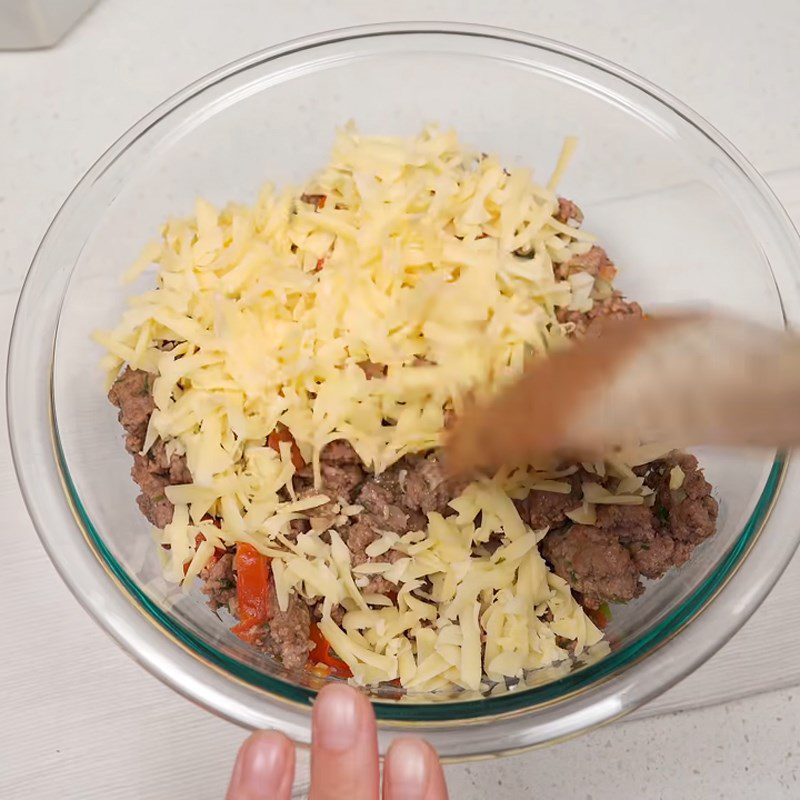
194	676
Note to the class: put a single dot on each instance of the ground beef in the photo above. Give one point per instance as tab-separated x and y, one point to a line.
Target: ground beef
340	452
132	393
377	584
427	488
288	633
179	471
589	323
602	562
693	519
549	509
595	261
634	527
385	497
379	501
396	500
690	512
629	523
152	501
341	470
154	470
399	497
567	210
403	495
321	517
298	526
337	612
656	538
372	370
219	583
658	555
594	563
340	480
175	466
359	536
286	636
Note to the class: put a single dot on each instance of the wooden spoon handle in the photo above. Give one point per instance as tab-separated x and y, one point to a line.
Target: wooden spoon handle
683	379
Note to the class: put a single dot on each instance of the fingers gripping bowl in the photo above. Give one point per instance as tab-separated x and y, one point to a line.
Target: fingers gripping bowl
696	207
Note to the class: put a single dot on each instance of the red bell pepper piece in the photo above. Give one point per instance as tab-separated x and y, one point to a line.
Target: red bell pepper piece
600	616
252	590
323	654
283	434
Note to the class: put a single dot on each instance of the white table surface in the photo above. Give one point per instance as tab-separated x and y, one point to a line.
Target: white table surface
78	719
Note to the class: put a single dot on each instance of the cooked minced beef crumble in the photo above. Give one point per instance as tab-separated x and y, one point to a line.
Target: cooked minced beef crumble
602	563
397	500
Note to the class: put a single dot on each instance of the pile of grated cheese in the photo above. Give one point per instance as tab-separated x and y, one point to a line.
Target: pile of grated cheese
414	253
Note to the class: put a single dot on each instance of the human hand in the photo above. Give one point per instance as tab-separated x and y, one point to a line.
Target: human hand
344	758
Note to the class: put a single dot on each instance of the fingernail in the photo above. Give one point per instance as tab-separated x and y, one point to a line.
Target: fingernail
260	766
337	716
407	770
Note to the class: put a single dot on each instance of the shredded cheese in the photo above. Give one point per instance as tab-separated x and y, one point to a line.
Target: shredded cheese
431	260
676	476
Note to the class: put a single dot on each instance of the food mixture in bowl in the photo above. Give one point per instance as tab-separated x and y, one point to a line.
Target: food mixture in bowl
285	389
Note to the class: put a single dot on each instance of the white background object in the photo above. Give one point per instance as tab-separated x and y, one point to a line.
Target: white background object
79	719
26	24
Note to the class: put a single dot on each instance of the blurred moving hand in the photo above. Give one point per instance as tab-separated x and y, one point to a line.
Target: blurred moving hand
344	758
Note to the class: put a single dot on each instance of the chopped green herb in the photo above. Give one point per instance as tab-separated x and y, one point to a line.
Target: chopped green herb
662	514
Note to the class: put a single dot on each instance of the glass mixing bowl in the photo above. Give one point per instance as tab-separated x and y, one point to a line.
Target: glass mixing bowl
682	213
